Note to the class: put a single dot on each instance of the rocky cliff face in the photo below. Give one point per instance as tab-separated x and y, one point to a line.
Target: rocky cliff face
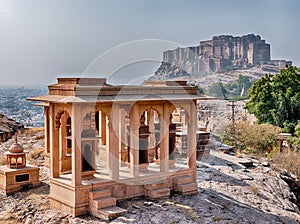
221	53
8	127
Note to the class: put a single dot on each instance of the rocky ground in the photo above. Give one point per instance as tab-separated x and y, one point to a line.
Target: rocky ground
30	139
175	73
229	192
8	127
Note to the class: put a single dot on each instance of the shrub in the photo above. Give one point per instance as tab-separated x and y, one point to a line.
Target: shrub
33	130
288	160
257	138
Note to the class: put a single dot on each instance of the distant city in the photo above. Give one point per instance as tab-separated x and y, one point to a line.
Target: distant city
14	104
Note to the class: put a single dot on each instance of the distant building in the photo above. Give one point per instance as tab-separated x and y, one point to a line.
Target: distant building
280	63
219	54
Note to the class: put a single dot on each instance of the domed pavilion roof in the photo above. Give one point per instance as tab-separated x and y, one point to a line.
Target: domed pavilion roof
16	147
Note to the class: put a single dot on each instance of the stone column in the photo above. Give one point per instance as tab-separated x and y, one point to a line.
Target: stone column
54	144
47	136
76	145
192	128
103	128
100	126
164	138
152	142
62	141
134	140
122	137
46	129
113	152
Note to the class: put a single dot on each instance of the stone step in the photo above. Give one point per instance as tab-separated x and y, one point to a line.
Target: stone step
109	212
183	180
112	212
100	193
154	185
158	193
103	202
186	188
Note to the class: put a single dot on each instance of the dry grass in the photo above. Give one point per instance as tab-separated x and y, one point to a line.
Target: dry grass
226	206
3	160
217	218
287	160
238	154
33	130
254	189
39	137
184	209
34	154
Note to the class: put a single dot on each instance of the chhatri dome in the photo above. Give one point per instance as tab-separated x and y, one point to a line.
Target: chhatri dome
16	157
16	147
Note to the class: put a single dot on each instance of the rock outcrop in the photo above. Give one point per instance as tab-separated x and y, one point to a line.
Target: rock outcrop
8	127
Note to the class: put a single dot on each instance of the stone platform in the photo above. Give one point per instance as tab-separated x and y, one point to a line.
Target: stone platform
98	196
12	180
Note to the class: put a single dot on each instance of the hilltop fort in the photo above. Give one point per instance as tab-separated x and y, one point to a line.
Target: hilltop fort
221	53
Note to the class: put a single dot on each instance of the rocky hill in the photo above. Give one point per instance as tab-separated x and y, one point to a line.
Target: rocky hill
231	190
221	59
8	127
204	81
219	53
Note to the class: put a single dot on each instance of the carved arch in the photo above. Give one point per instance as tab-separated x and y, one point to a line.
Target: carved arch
58	117
143	108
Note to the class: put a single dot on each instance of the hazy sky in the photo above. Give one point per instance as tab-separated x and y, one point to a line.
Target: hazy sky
41	40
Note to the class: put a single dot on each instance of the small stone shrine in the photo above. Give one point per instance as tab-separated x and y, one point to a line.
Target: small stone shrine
281	138
16	174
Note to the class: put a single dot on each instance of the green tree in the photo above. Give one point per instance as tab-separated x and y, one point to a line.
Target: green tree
217	89
275	99
243	81
297	130
295	140
235	87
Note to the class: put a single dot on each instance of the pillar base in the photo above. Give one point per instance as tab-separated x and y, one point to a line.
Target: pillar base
143	167
87	175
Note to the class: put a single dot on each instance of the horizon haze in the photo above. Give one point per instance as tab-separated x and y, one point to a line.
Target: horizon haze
41	41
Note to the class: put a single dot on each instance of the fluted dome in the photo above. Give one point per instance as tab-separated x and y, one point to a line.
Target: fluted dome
16	148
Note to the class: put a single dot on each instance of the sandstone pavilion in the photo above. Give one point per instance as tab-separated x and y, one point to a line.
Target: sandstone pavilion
106	143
